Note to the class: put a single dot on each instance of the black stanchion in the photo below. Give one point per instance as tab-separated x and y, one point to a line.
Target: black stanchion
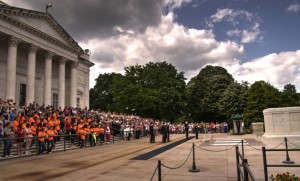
287	160
238	162
245	162
265	163
159	170
243	148
194	169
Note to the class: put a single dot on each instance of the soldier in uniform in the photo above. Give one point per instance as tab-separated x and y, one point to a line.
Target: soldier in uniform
186	128
152	133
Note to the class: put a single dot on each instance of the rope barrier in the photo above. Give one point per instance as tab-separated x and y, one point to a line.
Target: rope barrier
216	150
153	173
253	147
277	145
293	144
179	162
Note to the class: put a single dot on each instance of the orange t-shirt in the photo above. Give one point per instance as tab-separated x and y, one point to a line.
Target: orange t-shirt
101	130
16	124
96	130
50	123
56	123
31	120
42	136
33	130
50	134
82	134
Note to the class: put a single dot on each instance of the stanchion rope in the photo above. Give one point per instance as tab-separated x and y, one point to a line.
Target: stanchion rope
198	146
253	147
277	145
179	162
154	173
293	144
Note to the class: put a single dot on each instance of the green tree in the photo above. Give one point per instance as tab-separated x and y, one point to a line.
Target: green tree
289	96
205	91
261	95
101	96
234	99
152	90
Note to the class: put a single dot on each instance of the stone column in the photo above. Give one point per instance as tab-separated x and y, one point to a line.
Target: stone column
30	82
48	78
62	82
11	69
73	85
87	89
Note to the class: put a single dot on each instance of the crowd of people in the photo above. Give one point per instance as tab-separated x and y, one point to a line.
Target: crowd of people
21	126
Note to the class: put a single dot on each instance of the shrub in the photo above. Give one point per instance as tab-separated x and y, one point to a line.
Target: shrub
285	177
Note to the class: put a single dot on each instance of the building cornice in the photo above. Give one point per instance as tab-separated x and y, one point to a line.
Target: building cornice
5	12
86	62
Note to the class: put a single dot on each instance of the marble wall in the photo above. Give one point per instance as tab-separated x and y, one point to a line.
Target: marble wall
282	122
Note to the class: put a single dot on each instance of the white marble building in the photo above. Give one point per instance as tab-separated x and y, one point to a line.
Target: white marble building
40	61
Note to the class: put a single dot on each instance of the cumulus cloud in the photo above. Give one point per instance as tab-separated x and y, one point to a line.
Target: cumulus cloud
295	7
277	69
246	25
252	35
173	4
137	32
234	33
187	49
88	19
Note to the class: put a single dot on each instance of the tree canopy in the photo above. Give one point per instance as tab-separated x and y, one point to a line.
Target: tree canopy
158	90
153	90
101	96
205	91
261	95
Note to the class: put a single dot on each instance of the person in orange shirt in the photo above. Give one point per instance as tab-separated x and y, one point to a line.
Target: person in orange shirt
31	119
50	123
23	118
15	124
82	136
41	140
87	133
50	139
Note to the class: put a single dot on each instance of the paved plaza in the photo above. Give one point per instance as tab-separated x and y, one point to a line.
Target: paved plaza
137	160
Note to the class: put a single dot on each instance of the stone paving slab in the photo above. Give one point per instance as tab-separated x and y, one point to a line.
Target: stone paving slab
114	161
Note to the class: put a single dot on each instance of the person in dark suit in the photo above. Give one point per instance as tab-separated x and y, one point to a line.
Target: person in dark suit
168	132
196	130
164	132
238	126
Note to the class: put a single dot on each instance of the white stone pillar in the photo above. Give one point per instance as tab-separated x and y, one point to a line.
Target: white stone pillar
62	82
87	89
73	85
11	69
48	78
30	82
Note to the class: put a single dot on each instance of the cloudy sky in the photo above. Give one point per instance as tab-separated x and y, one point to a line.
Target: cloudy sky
252	39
